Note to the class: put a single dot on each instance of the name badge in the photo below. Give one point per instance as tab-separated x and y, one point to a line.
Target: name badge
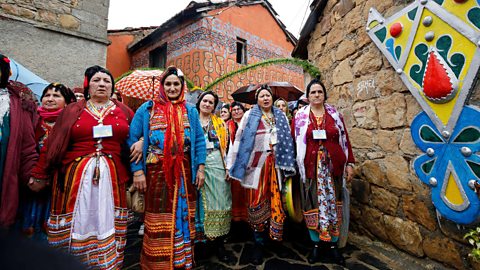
210	145
102	131
319	134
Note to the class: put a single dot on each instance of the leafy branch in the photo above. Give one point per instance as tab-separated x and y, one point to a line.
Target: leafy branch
307	66
473	238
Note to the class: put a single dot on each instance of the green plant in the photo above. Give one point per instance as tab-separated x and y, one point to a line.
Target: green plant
473	238
307	66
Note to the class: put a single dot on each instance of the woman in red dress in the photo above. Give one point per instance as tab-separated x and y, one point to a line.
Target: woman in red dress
84	155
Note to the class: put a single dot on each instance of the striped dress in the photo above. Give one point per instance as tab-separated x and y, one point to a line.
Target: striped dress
88	218
214	206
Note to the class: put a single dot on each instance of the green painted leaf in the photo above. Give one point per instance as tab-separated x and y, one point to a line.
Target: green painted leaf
475	168
398	52
468	135
381	34
412	13
457	61
474	16
427	166
428	135
416	71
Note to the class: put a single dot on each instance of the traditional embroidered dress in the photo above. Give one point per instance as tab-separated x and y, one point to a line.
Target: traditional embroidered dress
215	200
262	153
36	206
174	146
239	195
88	218
321	165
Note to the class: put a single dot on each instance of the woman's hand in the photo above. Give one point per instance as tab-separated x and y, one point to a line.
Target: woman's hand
37	184
227	176
139	181
349	171
136	151
200	180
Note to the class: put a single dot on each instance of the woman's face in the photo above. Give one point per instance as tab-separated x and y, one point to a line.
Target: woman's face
224	114
316	95
282	105
264	99
237	113
100	86
173	87
53	100
79	96
207	104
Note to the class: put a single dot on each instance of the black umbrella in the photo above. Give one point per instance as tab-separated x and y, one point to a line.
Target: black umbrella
285	90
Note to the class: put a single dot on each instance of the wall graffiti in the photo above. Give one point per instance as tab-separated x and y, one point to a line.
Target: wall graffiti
205	53
433	46
204	67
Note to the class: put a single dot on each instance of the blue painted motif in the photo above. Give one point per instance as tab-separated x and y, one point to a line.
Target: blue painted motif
447	152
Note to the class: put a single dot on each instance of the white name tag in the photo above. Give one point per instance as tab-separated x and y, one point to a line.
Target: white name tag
319	134
210	145
102	131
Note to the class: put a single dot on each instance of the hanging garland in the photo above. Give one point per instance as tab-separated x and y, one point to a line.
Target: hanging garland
307	67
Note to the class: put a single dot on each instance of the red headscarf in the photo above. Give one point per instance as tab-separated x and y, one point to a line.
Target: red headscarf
171	113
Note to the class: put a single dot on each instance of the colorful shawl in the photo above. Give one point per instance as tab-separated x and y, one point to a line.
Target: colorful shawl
302	120
241	161
171	114
220	129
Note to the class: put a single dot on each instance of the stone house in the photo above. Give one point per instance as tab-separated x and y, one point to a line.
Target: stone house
389	202
56	39
211	38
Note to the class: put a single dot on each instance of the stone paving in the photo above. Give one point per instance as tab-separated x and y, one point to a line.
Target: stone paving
360	253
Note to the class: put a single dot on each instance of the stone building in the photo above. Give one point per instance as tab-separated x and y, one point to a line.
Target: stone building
389	202
210	38
56	39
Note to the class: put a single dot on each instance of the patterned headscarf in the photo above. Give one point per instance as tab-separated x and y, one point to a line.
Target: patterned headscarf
172	115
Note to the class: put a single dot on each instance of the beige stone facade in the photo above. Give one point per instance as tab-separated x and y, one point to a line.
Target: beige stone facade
56	39
389	202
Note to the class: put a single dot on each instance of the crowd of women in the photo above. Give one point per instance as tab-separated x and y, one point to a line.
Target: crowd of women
66	167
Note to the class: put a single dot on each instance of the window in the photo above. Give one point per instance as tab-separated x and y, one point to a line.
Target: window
158	57
241	51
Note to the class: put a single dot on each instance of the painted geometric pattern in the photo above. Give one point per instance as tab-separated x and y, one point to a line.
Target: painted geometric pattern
450	165
425	38
434	47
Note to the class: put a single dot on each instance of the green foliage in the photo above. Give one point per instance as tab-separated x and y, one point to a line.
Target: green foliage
473	238
307	66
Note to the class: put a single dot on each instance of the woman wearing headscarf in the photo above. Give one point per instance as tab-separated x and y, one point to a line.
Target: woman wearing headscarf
320	132
87	156
239	204
214	204
18	116
171	169
36	207
262	154
282	104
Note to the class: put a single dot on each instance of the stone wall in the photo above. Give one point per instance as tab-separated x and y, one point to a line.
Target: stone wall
56	39
389	203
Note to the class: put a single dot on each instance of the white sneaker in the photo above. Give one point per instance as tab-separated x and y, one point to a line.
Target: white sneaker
141	231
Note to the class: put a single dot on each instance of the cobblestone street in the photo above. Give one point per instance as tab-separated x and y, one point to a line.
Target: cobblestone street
361	253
